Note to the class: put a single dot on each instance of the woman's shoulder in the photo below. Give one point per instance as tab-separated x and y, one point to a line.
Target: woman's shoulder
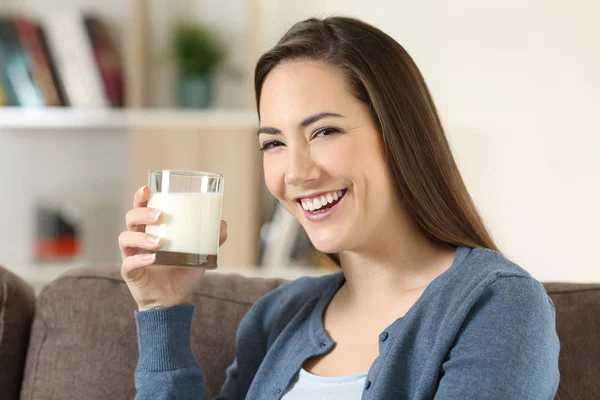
488	273
483	266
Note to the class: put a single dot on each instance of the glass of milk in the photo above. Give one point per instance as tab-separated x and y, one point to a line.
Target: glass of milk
191	205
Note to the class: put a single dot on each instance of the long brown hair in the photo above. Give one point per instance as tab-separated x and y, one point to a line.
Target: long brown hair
381	74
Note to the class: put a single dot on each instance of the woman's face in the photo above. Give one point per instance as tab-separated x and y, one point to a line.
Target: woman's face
321	142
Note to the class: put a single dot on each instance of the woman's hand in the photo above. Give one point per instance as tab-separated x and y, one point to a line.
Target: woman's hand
153	287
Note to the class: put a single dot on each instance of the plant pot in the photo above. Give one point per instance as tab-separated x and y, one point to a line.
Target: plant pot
194	91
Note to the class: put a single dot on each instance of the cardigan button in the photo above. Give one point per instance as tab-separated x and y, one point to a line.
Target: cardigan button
383	337
367	385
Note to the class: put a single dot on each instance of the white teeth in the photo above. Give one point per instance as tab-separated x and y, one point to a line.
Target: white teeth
317	203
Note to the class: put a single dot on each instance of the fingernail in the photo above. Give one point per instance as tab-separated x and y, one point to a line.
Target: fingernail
141	189
152	239
149	257
155	215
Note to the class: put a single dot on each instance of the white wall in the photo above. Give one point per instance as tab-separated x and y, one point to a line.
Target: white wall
516	84
517	87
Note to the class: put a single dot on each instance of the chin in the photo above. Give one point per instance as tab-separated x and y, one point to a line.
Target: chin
327	243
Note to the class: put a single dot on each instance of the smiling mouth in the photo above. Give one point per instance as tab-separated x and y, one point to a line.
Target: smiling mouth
322	203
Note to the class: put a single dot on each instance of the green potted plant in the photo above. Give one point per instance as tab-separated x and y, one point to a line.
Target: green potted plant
197	52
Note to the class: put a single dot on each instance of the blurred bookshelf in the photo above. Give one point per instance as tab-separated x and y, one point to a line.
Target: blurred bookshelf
37	119
123	144
87	96
81	133
119	54
92	161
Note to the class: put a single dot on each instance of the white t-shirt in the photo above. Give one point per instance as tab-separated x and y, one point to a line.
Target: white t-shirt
307	386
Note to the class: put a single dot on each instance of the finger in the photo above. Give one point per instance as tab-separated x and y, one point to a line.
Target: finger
223	233
130	242
133	266
137	218
141	197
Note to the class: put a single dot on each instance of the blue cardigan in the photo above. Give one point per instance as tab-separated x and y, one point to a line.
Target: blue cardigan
483	329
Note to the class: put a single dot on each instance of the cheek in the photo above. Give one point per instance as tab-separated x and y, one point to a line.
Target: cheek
273	176
338	158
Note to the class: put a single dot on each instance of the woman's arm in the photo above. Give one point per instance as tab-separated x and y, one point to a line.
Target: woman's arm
166	367
508	347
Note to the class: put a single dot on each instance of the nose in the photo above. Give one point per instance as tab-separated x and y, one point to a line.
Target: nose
301	167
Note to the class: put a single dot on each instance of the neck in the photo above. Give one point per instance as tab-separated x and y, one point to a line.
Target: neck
396	262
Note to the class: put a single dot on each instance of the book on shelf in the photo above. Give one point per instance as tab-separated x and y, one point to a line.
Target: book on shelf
284	243
75	58
17	81
41	67
3	101
67	58
107	59
279	238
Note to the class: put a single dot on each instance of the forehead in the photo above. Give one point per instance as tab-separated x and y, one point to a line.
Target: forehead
293	90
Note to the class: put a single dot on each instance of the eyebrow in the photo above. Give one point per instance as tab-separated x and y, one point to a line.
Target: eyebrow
303	124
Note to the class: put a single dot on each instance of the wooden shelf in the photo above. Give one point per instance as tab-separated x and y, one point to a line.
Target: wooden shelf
39	275
16	118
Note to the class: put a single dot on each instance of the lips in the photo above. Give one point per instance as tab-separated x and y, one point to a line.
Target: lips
325	211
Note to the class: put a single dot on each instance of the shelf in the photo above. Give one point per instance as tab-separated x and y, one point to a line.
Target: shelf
16	118
48	272
39	275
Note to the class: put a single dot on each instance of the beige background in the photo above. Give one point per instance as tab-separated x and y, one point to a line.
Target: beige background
516	84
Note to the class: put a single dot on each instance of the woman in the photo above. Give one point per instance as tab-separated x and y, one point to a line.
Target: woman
424	307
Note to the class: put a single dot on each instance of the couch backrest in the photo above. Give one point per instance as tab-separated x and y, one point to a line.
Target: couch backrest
578	326
83	341
16	312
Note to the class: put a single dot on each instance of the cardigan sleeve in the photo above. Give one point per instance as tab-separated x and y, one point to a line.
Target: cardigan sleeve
166	367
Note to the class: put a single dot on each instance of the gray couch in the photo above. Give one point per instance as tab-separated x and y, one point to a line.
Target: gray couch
77	340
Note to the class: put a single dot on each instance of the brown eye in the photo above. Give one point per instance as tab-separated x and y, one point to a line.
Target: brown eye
270	145
325	132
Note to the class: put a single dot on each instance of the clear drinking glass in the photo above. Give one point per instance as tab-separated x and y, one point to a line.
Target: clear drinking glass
191	203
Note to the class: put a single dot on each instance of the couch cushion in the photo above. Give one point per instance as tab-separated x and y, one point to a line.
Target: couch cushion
17	302
578	326
83	343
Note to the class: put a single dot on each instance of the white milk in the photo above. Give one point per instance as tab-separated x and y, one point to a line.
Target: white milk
190	221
